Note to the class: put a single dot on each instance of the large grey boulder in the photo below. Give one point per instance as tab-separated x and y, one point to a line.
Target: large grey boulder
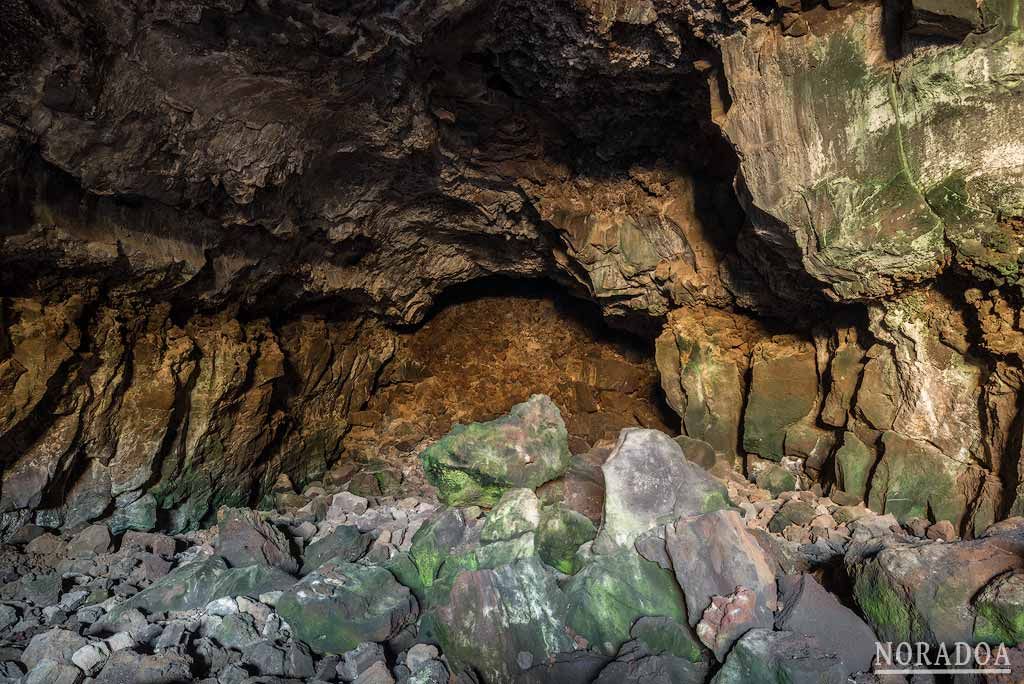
344	543
341	605
649	482
196	584
501	622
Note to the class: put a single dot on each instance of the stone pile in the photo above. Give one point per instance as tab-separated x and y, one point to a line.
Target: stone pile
683	577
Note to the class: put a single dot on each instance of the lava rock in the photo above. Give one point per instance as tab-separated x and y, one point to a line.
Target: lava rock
340	605
810	610
244	538
648	482
477	463
763	655
344	544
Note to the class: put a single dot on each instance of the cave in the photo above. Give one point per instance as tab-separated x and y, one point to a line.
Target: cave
575	341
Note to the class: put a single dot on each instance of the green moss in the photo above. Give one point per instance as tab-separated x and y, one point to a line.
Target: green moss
995	627
610	593
561	533
886	610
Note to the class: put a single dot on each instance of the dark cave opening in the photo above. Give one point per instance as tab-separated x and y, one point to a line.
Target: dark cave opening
491	343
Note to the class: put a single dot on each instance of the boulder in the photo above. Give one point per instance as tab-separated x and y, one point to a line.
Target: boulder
501	622
559	536
244	538
196	584
1000	610
649	482
793	512
610	593
92	541
57	645
340	605
853	465
642	662
714	555
582	486
923	591
345	543
477	463
517	512
702	373
766	656
915	480
167	667
783	389
776	479
806	608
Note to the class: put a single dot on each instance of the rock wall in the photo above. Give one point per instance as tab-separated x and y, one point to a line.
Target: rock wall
225	225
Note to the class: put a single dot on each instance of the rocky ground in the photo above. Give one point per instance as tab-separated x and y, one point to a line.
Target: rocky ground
511	561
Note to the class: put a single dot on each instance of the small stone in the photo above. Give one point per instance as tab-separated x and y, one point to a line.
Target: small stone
420	654
270	597
8	616
943	530
49	671
917	526
358	660
92	541
46	545
222	606
120	641
266	658
298	662
73	600
174	635
377	674
91	657
57	645
344	503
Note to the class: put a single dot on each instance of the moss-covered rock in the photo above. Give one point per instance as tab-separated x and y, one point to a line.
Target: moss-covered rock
915	480
924	591
1000	608
783	389
612	592
853	465
776	479
517	512
341	605
477	463
561	533
500	622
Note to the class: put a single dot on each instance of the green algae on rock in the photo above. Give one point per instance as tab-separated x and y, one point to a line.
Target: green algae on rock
1000	608
559	536
915	480
853	465
924	591
477	463
783	389
501	621
612	592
